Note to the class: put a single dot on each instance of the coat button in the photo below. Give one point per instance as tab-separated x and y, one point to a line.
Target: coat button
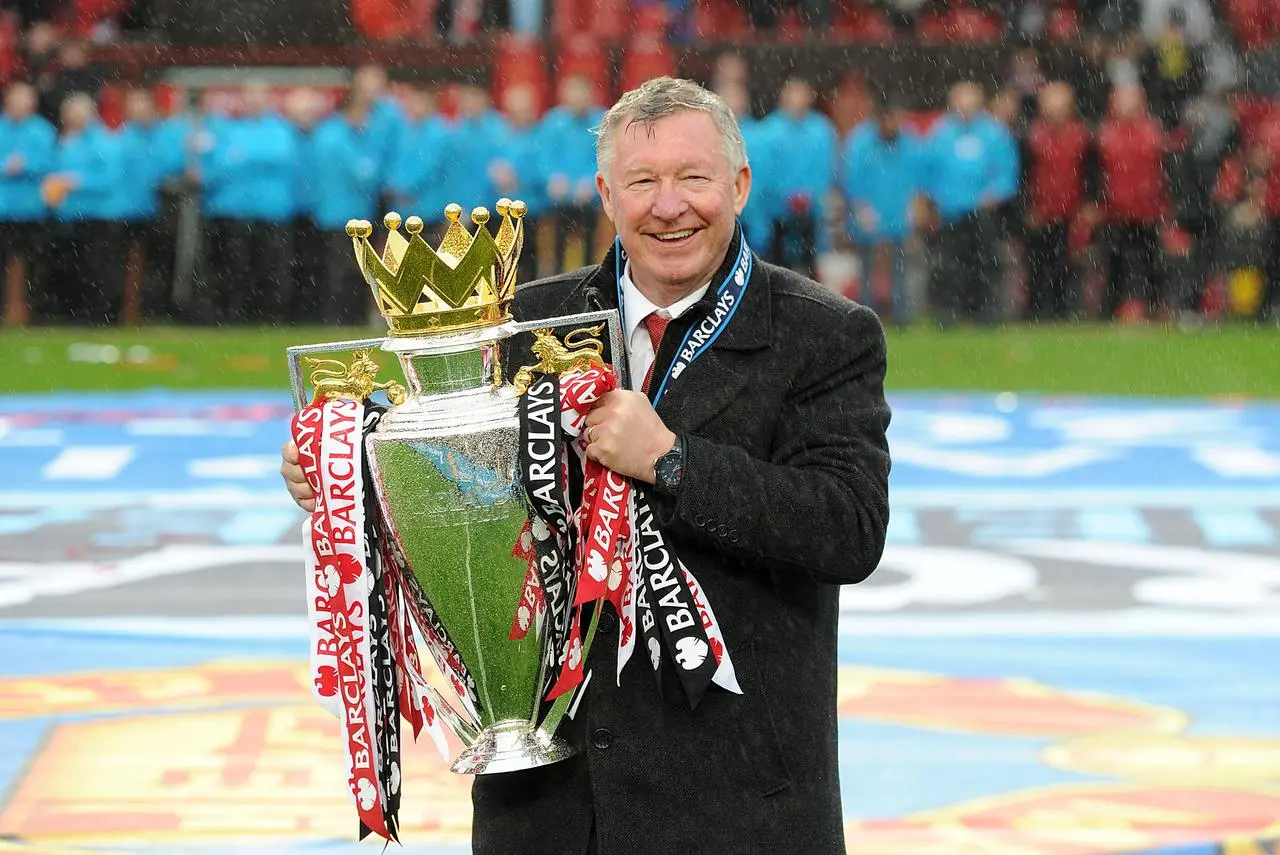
733	535
607	622
602	739
711	524
699	520
722	530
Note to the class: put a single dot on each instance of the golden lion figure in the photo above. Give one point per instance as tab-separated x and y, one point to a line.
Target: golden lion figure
334	379
581	350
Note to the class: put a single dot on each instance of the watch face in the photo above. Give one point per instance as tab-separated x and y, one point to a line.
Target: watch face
668	471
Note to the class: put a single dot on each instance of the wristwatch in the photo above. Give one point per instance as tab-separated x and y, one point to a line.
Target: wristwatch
668	470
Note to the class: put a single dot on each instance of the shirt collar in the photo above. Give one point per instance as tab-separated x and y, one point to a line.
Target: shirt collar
636	306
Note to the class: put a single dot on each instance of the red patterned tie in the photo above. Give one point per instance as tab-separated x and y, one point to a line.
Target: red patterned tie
656	324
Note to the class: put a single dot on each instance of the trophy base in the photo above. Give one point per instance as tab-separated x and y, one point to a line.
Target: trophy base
510	746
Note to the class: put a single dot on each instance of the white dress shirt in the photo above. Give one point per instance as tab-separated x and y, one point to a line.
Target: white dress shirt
635	308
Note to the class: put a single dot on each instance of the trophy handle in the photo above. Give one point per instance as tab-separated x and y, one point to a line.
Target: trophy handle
297	353
607	316
465	731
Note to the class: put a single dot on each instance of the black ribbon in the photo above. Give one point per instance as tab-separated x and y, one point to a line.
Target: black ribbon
543	475
665	609
383	674
665	605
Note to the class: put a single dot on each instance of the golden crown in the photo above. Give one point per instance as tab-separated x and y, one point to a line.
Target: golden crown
465	283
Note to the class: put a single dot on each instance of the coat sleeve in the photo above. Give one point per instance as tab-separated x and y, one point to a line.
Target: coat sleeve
820	504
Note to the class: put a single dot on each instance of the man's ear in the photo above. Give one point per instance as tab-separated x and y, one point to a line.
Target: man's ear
742	189
606	197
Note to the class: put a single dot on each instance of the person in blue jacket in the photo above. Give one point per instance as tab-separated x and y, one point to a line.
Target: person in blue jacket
249	188
569	167
803	163
471	147
756	217
387	122
972	170
880	179
26	152
83	188
305	108
153	152
414	181
518	170
347	176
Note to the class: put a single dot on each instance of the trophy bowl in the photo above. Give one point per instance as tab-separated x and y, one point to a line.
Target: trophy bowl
445	473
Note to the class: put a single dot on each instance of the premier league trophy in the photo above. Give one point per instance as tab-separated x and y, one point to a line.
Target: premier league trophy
445	551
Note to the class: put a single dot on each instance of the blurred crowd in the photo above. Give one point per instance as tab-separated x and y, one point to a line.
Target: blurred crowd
1128	191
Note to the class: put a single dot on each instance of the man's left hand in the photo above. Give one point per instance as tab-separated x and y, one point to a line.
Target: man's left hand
625	434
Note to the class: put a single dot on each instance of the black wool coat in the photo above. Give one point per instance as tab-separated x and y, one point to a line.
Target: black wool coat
785	497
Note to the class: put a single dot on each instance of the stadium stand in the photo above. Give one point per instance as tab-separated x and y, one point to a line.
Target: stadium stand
874	51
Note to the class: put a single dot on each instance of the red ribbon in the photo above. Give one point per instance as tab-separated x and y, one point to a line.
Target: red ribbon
349	618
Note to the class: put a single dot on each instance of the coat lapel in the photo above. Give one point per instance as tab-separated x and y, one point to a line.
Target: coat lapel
596	291
720	374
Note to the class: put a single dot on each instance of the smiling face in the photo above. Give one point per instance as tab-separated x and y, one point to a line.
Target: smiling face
673	196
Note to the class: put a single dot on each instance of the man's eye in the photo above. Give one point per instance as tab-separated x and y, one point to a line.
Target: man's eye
642	182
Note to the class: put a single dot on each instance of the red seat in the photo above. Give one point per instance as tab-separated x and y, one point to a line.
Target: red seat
968	24
10	60
584	56
84	15
961	22
606	19
392	19
611	19
1064	23
568	18
855	21
1253	112
931	28
649	18
646	57
520	61
720	20
1256	23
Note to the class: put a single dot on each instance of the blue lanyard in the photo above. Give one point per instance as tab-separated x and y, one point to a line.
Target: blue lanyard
703	334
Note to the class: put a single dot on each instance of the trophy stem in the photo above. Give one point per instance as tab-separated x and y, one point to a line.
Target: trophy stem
441	365
510	746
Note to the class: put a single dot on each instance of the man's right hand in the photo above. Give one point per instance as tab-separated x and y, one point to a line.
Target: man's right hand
291	471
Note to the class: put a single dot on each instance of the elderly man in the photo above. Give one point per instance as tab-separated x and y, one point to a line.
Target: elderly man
769	467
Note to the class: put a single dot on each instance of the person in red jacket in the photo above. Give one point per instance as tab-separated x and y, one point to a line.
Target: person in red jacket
1060	174
1131	152
1268	158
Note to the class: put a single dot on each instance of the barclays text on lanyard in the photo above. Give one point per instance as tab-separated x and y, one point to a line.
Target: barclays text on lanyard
666	590
703	334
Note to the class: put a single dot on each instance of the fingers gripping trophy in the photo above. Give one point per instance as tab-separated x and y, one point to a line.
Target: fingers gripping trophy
444	531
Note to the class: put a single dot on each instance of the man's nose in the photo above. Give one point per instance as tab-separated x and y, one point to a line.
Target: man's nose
670	202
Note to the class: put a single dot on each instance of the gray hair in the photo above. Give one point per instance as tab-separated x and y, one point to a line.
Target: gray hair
662	97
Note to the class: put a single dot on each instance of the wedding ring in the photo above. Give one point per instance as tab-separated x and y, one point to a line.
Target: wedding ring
591	434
